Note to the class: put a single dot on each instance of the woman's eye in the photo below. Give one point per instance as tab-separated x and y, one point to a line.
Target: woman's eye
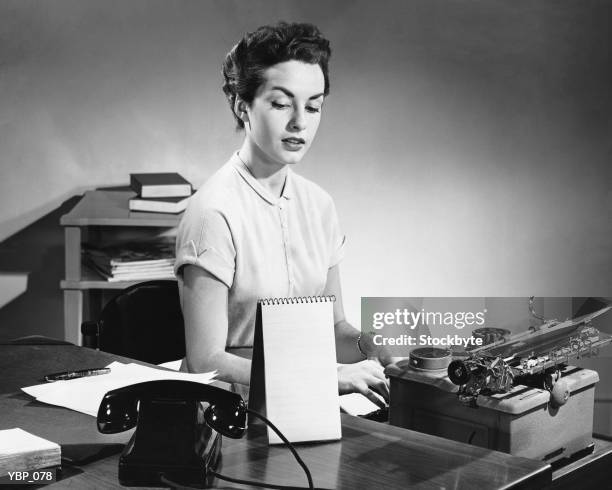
278	105
313	109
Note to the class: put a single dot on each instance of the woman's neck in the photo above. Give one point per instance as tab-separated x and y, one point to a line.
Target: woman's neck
271	175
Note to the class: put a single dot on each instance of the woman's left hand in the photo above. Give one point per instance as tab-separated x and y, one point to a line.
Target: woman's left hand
365	377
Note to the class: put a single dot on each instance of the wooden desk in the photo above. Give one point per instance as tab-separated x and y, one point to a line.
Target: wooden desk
370	455
590	472
99	215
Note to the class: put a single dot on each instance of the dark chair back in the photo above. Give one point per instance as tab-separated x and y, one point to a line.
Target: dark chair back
143	322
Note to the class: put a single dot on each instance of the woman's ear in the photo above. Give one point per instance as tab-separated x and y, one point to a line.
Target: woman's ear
240	109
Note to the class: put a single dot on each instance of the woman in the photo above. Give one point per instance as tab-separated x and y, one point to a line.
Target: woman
258	230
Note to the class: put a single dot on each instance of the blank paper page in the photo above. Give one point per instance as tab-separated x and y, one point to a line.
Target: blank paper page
300	371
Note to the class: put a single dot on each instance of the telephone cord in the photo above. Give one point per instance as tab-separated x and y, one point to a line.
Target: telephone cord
173	484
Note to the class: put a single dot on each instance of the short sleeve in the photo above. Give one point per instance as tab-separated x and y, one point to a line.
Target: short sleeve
338	239
204	239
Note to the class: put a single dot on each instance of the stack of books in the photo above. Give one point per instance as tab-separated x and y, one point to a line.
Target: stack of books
159	192
132	261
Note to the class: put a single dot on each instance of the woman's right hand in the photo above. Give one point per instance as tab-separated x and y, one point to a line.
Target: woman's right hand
365	377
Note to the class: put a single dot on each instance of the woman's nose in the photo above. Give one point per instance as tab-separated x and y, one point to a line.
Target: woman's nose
298	121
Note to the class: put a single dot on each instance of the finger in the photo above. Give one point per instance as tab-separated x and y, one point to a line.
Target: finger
372	365
380	374
370	395
377	371
382	388
385	359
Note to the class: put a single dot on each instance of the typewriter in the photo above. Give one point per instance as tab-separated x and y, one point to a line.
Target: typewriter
517	393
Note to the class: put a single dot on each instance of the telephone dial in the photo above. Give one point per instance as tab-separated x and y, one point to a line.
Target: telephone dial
176	440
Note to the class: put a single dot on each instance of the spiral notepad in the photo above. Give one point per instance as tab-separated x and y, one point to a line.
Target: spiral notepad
295	354
297	300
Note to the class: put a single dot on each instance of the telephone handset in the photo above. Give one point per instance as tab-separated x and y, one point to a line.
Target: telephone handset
174	440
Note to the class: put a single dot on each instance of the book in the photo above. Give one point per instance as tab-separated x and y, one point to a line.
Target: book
159	204
294	378
134	274
22	451
131	261
127	268
160	185
135	253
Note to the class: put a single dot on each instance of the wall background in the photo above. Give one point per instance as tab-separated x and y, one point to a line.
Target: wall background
467	144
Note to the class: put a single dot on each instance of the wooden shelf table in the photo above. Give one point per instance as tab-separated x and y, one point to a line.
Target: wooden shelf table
100	217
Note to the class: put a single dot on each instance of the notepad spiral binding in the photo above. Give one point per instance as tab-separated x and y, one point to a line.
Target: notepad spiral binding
297	300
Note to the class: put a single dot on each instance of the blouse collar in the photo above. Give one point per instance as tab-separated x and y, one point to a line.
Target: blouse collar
264	193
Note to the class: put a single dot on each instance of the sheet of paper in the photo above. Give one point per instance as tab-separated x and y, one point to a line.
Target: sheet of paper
85	394
174	365
301	377
357	404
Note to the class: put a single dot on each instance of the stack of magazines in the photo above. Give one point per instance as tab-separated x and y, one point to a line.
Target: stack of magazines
133	261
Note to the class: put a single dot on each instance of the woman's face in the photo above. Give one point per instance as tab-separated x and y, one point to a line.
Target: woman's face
285	113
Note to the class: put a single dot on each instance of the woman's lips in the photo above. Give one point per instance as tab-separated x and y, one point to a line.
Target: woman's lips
293	143
294	140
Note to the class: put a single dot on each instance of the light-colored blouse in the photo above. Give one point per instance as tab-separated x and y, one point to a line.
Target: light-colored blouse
258	245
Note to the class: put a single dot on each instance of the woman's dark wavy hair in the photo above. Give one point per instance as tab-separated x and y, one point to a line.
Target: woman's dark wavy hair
244	65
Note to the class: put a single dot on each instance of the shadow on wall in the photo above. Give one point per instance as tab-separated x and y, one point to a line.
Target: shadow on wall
38	251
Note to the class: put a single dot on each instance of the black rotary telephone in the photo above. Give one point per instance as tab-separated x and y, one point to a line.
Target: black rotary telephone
176	441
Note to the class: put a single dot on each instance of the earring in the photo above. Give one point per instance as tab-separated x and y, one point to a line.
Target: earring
244	115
